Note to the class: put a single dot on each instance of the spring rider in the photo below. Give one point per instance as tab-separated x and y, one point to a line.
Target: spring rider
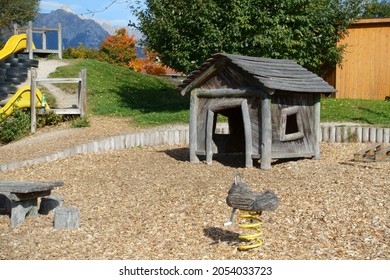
251	204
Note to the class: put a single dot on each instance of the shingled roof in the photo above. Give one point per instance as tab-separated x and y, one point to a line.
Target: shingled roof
274	74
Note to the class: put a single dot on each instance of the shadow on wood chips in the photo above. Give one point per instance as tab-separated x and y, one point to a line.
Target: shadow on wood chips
221	235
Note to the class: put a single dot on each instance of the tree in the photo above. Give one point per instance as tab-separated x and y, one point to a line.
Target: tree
185	33
119	48
149	64
16	11
376	9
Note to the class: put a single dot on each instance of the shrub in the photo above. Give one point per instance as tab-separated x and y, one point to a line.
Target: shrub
80	122
49	119
150	64
15	126
82	52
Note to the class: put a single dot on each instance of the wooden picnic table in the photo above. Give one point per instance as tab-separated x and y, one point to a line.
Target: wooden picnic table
23	196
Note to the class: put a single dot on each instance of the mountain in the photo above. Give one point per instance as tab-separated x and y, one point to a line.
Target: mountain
75	30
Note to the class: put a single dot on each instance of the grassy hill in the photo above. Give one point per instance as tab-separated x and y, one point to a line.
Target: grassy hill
116	91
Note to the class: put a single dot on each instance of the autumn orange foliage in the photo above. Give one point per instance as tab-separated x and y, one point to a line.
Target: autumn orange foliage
149	64
119	48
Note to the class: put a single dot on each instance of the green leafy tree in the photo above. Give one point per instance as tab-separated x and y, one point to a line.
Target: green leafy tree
185	33
16	11
376	9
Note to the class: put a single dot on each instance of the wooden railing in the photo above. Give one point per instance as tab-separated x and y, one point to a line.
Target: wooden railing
81	96
30	30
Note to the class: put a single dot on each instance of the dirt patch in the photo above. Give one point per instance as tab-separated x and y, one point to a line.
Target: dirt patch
152	203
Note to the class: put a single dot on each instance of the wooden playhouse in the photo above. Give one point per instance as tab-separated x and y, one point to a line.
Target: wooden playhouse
272	107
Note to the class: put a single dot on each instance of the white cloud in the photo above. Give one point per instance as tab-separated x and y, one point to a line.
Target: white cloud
47	6
119	22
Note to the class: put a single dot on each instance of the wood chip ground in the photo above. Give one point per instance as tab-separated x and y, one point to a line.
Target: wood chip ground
152	203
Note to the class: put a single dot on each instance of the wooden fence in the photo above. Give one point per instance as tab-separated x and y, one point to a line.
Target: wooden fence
365	70
30	30
81	96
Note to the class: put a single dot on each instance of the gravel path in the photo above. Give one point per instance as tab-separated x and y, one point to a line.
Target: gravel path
45	67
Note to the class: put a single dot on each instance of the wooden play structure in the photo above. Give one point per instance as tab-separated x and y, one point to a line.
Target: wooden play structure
30	30
81	106
272	108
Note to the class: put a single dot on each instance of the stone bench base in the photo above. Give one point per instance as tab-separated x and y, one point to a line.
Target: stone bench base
49	203
66	218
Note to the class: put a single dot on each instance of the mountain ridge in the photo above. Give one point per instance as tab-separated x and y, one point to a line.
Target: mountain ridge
76	30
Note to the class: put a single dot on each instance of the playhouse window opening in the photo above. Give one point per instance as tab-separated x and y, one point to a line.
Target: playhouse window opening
291	124
291	127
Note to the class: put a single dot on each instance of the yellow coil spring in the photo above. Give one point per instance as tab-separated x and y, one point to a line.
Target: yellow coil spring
255	223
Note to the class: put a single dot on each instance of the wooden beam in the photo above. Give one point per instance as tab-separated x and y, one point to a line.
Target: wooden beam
62	111
59	41
59	80
248	133
33	100
193	127
316	125
216	93
202	78
30	41
82	98
266	132
209	136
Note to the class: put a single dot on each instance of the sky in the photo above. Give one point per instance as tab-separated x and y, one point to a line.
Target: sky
116	12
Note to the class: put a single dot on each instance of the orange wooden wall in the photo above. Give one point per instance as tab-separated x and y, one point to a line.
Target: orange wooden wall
365	71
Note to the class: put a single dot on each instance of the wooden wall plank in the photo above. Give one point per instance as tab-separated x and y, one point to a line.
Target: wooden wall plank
365	71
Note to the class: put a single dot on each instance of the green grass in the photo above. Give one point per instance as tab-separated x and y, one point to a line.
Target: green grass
373	112
116	91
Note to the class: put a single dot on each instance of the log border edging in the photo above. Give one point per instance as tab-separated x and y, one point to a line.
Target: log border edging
329	133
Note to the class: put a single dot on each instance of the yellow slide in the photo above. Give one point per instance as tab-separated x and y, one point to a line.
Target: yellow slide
14	44
21	99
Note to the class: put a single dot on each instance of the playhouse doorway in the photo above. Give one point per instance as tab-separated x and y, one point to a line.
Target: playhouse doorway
238	140
232	139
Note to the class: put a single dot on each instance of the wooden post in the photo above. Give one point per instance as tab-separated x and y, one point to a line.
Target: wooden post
209	136
193	126
44	38
59	41
248	133
316	123
82	98
33	100
30	40
266	131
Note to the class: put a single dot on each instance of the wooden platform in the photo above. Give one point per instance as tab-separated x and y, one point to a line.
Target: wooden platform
375	152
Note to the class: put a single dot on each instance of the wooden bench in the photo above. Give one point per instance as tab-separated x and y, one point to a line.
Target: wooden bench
23	197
